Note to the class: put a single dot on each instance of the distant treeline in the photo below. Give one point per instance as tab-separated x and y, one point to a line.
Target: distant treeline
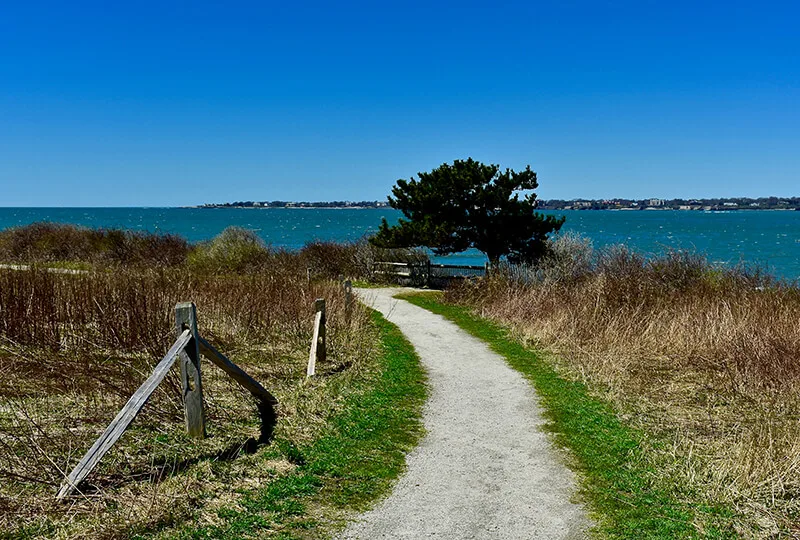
736	203
301	204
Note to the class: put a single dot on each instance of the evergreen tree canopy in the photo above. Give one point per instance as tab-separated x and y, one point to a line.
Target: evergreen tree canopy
469	204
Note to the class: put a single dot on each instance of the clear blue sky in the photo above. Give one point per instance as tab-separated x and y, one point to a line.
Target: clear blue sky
177	103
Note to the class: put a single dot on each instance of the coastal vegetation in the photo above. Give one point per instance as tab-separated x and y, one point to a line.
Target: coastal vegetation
616	475
469	205
702	362
74	347
672	381
234	250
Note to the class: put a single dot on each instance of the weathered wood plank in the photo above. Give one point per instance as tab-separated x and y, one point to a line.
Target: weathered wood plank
311	370
191	381
322	351
236	373
124	418
318	352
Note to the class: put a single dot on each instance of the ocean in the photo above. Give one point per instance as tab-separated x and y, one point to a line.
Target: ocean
767	238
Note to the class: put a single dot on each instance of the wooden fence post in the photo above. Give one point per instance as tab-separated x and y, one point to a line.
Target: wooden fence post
318	341
191	382
187	347
348	301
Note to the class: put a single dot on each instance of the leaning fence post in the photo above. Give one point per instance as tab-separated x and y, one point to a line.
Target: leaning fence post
348	301
191	383
318	341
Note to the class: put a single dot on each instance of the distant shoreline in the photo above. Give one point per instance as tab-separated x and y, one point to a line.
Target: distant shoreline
646	209
220	207
705	204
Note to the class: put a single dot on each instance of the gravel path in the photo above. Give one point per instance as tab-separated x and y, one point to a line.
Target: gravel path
484	469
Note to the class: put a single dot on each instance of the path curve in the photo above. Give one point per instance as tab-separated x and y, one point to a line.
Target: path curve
485	469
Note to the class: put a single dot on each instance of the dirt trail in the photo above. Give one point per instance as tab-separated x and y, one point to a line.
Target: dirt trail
484	469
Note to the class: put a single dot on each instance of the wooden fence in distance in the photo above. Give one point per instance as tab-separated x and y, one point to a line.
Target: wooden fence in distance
427	273
188	347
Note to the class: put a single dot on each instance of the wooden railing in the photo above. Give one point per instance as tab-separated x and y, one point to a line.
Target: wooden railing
427	272
188	347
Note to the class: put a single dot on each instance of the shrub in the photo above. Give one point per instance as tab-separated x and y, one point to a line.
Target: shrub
707	358
331	259
56	242
233	250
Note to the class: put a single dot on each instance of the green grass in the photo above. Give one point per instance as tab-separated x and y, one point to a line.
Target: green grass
620	482
346	469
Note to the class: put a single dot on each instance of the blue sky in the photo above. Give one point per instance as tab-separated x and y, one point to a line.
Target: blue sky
180	103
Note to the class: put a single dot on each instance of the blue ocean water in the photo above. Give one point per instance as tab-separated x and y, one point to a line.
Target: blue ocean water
767	238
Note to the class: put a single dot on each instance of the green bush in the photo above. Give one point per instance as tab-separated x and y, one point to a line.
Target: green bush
233	250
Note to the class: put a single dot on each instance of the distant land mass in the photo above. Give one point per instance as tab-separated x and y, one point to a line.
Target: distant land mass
735	203
298	204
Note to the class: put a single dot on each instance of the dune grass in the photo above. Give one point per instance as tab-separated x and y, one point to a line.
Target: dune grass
704	358
340	438
624	487
75	346
234	250
353	461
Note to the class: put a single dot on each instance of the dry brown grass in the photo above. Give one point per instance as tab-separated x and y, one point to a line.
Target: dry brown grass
706	359
234	250
51	242
73	348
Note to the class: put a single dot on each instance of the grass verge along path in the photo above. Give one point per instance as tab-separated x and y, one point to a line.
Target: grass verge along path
619	483
352	464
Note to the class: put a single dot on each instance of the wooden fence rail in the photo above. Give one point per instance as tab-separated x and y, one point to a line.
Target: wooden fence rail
427	272
187	347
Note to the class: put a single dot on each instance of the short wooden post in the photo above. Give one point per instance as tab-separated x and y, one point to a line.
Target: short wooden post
348	301
318	341
428	274
191	383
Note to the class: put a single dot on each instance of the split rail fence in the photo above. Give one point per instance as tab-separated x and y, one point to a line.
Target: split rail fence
428	273
188	347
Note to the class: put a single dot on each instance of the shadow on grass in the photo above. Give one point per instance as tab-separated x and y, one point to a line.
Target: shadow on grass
163	470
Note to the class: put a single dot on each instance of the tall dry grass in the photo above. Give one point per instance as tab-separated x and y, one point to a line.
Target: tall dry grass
58	242
706	359
73	348
234	250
